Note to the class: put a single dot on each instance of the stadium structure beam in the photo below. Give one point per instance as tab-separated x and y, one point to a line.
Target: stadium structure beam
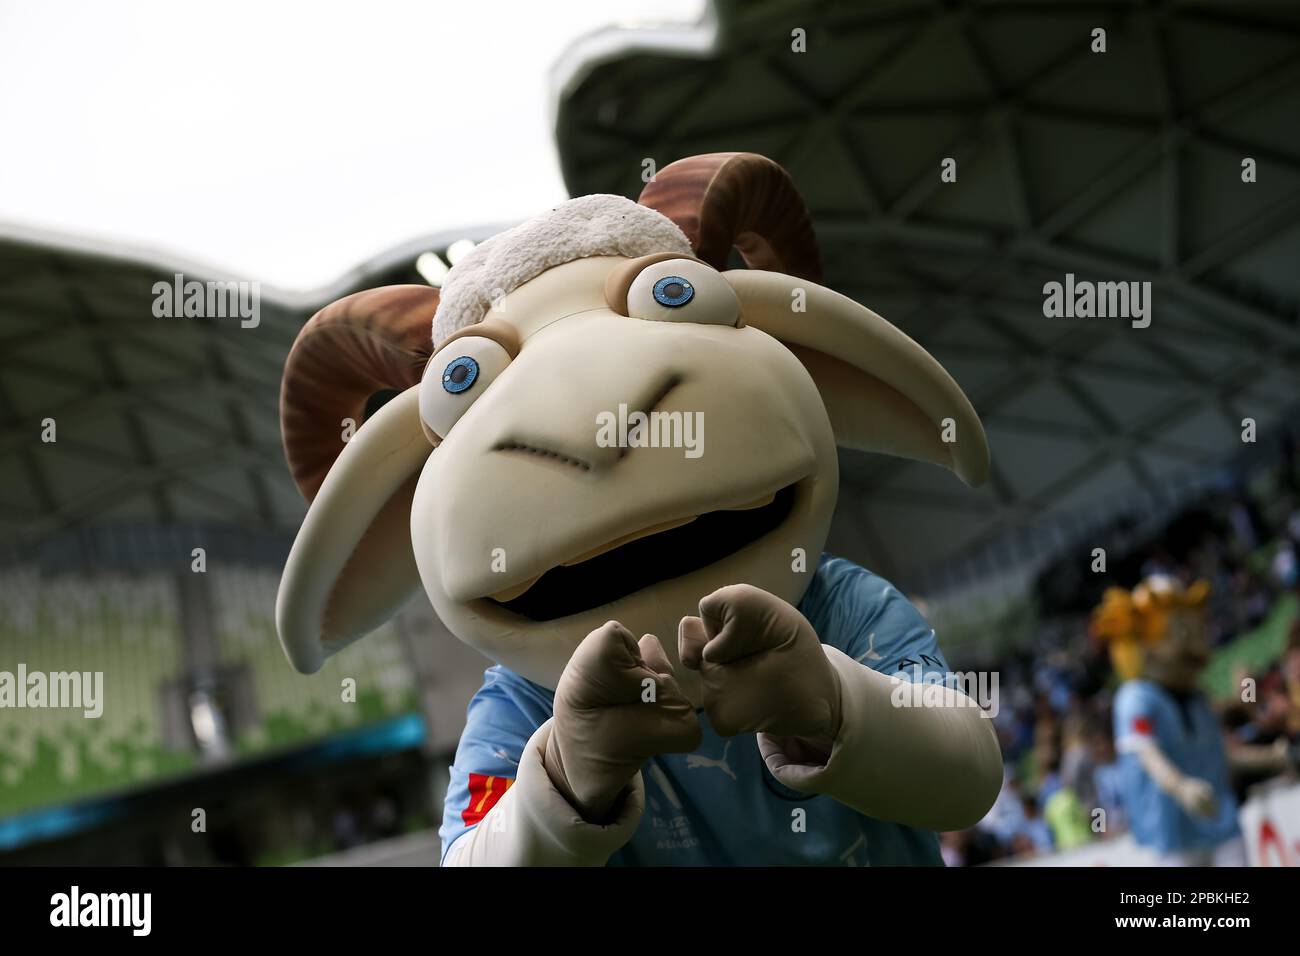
175	471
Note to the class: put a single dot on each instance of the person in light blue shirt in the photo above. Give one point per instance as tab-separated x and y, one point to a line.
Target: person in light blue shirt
1173	769
1187	732
720	805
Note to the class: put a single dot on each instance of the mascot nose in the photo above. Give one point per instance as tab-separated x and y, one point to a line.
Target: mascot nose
597	436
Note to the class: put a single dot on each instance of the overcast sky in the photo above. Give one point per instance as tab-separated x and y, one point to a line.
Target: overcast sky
285	142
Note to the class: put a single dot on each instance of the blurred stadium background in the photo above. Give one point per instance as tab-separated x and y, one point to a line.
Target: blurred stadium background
1124	165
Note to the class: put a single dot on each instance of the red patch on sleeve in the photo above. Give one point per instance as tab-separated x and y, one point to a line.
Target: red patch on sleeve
484	792
1142	726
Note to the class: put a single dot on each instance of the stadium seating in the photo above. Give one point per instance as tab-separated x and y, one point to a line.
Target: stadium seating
129	627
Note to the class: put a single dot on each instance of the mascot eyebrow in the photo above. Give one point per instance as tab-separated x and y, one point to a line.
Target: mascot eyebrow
488	482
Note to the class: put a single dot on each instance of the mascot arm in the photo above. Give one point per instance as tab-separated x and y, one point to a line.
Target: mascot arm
1194	795
937	767
533	825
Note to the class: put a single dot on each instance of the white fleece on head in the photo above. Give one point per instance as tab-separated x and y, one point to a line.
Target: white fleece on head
600	225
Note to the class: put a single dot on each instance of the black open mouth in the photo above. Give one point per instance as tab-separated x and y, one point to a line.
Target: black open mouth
571	589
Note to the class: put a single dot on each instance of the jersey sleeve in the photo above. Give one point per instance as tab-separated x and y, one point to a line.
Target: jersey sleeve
863	615
1134	716
502	716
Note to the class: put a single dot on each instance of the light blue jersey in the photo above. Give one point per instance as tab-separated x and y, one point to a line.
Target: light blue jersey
719	806
1188	733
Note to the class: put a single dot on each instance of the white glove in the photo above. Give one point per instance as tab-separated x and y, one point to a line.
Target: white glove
1197	797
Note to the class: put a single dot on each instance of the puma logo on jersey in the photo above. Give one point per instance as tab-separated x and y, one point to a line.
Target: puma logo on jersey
698	761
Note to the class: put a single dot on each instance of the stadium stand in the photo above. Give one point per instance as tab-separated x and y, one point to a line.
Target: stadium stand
121	625
1057	687
1101	435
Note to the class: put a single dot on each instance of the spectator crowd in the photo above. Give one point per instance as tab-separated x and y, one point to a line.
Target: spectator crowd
1061	784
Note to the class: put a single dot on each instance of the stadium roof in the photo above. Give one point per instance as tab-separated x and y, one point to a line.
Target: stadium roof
157	420
1123	165
1115	166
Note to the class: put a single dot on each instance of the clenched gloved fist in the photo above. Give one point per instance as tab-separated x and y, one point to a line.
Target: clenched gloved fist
604	728
762	666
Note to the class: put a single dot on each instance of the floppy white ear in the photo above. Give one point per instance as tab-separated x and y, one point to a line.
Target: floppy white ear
883	392
352	567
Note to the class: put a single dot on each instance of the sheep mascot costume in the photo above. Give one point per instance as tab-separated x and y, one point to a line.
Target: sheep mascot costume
682	676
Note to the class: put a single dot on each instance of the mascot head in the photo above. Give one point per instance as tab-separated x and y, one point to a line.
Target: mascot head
605	423
1155	631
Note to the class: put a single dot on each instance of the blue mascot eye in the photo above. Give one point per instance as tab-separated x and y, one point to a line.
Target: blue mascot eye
459	374
673	291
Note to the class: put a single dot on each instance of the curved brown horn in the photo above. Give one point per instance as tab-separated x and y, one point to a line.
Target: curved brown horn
744	200
362	344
